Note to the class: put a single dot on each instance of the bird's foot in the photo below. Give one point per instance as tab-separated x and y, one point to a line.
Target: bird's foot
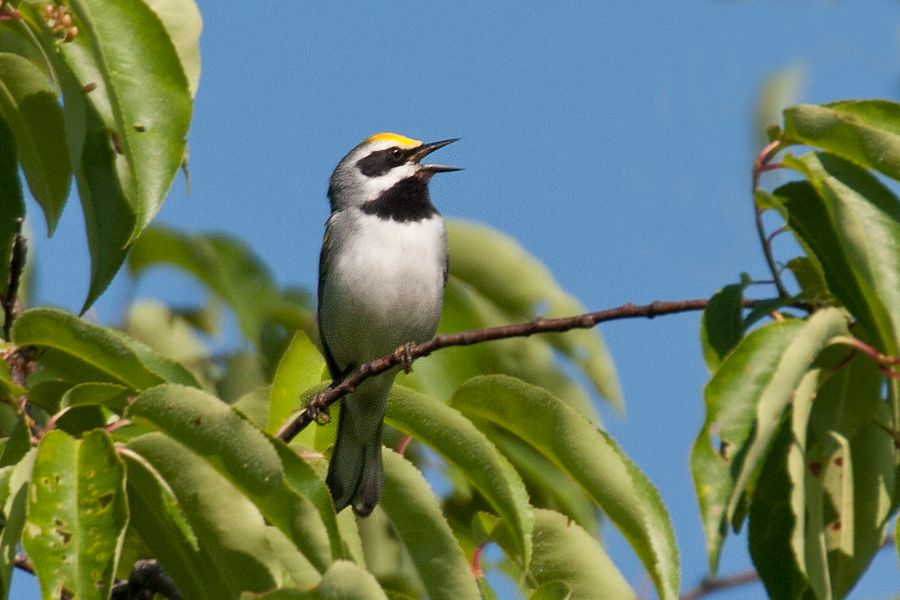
405	354
318	412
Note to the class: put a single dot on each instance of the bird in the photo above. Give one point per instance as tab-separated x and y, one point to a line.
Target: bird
382	272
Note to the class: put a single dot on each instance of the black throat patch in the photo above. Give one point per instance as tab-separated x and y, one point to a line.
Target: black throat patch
407	200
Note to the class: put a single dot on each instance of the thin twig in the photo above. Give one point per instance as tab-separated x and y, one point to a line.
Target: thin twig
16	268
709	586
762	164
476	336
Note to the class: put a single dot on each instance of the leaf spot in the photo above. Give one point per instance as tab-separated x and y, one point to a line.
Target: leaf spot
815	468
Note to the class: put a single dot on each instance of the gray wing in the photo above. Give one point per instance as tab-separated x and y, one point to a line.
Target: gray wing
323	272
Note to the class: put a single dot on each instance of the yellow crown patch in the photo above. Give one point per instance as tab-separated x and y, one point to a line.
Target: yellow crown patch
400	140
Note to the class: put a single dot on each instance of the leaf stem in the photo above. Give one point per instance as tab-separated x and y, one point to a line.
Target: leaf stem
761	164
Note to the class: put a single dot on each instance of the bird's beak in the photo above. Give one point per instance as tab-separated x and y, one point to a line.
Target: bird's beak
426	149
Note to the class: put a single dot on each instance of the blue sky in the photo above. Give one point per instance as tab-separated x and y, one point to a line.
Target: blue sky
613	140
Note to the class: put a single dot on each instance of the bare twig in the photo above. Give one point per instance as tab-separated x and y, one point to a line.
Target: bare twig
761	164
16	268
710	586
466	338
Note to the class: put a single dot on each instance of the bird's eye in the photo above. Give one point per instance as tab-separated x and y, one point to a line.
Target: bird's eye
395	153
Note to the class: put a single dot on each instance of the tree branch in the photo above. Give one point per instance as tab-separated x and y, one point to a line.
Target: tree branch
16	268
406	354
761	164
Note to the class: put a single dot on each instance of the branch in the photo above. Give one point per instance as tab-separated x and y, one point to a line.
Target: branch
709	586
16	268
406	354
762	164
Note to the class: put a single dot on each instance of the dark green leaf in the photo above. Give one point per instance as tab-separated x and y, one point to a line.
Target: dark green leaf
591	457
12	204
145	90
105	353
416	516
866	132
564	552
852	223
722	324
76	514
456	439
109	219
28	105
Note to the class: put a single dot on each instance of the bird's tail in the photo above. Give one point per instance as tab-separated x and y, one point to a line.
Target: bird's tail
355	473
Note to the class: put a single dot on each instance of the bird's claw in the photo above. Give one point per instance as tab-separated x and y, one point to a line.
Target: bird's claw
405	354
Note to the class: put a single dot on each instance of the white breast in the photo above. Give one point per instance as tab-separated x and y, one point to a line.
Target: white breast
384	285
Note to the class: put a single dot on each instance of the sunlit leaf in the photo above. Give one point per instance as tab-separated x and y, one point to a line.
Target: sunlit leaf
852	224
29	107
242	454
105	353
459	442
253	555
564	552
77	514
866	132
591	457
744	403
163	527
14	481
343	581
182	21
301	367
414	511
147	94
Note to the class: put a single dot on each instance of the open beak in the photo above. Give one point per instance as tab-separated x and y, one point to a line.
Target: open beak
426	149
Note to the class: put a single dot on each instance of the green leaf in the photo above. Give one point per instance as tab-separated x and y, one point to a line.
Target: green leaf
109	219
229	527
777	517
15	481
162	526
745	401
168	333
301	367
459	442
96	351
552	590
147	94
548	486
722	324
591	457
779	90
866	132
12	204
224	264
523	288
811	279
77	515
28	104
852	223
564	552
247	458
855	475
343	581
416	516
109	395
182	21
